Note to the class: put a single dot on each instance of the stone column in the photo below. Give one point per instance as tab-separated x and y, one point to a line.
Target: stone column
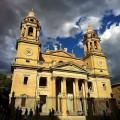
88	46
86	88
76	95
53	92
49	97
85	92
92	45
64	96
83	89
99	47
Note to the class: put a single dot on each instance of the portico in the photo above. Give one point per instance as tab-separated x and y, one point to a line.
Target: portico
70	96
67	94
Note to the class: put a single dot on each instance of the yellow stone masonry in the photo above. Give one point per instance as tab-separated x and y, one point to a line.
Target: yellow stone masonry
57	79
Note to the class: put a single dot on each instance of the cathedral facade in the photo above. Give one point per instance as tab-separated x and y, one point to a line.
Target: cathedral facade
57	79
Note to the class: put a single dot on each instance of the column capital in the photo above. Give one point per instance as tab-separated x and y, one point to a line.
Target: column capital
53	77
63	90
85	80
76	79
64	78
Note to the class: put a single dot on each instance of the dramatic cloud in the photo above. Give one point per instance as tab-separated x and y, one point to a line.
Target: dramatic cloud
111	42
63	22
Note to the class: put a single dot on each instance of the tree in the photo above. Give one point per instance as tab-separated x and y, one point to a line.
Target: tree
5	83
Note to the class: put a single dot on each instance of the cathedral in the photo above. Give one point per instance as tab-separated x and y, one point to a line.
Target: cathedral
57	79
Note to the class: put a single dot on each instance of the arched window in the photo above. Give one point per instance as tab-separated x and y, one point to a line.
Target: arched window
90	86
93	35
95	43
31	20
30	31
91	47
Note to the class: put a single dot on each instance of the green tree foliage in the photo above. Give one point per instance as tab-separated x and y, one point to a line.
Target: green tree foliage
4	82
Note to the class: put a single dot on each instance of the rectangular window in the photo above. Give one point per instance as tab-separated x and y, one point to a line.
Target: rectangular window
23	102
43	99
25	80
27	61
43	81
104	87
90	86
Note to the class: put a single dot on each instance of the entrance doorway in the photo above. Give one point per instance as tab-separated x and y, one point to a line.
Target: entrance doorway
42	103
70	98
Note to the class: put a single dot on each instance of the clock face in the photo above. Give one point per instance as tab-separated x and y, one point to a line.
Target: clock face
28	51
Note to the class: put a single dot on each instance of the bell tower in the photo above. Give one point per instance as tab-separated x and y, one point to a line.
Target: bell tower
96	63
28	46
24	68
91	42
30	28
93	54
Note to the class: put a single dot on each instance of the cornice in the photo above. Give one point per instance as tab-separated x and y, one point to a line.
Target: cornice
94	54
28	41
22	66
100	76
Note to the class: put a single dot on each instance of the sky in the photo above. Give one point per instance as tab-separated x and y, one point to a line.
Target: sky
63	23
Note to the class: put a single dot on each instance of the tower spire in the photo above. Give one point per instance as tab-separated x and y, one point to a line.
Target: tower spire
89	29
30	27
31	13
91	42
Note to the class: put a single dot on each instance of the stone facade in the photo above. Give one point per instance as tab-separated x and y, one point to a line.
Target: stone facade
57	79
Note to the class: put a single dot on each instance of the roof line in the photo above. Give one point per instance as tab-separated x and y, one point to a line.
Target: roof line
50	53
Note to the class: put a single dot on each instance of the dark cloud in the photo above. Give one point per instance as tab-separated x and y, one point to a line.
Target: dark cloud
112	51
4	67
8	20
53	14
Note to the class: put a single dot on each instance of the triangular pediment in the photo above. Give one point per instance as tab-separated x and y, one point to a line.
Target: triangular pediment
60	53
70	67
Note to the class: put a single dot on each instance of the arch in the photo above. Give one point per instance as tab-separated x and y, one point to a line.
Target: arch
31	20
93	35
91	46
95	43
30	31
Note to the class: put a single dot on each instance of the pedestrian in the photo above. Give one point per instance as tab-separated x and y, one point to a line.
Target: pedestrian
25	114
20	114
37	112
53	111
17	113
30	114
50	113
104	115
